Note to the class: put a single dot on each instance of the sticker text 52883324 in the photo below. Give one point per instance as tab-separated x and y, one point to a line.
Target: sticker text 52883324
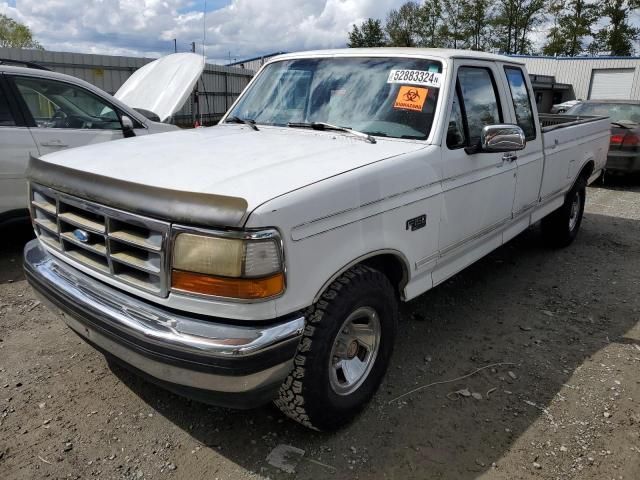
415	77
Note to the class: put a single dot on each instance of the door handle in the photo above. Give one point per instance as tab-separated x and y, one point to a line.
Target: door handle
509	157
54	143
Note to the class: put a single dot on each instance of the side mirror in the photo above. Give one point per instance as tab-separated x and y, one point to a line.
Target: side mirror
127	126
502	138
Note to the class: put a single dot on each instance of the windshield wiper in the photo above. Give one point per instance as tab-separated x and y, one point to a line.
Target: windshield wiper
246	121
327	126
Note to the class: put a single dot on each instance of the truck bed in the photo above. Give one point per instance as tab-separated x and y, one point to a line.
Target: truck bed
554	121
567	141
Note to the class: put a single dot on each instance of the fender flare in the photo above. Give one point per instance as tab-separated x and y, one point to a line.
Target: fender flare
404	262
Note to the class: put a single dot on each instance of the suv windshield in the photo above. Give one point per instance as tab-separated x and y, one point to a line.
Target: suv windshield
387	97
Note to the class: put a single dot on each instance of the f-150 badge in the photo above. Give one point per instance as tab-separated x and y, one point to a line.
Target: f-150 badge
416	223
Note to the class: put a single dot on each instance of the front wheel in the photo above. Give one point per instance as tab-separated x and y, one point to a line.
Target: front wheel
344	352
560	228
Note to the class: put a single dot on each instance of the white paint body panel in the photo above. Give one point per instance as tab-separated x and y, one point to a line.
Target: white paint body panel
163	85
336	199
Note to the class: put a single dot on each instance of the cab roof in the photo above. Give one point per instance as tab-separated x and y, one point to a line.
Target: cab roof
440	53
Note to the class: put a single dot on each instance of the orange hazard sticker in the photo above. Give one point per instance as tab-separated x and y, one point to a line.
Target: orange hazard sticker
411	98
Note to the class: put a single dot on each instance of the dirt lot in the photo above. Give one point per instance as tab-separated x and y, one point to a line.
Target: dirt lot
569	407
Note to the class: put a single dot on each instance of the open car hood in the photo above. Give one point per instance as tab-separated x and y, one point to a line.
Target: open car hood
163	85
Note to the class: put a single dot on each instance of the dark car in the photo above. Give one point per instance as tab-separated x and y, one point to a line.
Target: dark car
624	148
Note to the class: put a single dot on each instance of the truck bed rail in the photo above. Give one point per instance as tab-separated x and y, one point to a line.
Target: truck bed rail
552	121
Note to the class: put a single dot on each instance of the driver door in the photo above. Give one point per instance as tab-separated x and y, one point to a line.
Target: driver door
64	115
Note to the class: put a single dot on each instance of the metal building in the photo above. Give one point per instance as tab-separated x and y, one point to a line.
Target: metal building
217	89
591	77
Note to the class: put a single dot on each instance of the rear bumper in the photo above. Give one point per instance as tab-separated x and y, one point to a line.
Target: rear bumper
206	358
623	162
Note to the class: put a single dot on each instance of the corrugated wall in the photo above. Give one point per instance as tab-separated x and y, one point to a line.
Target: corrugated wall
218	88
578	71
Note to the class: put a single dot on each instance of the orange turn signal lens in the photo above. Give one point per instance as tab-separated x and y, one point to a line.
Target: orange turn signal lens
244	288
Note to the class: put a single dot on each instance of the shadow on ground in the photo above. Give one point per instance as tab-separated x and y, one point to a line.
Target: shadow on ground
540	309
13	236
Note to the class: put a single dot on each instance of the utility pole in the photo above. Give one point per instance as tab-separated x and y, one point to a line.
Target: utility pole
175	45
195	111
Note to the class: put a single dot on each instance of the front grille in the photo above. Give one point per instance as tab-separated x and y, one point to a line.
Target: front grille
127	247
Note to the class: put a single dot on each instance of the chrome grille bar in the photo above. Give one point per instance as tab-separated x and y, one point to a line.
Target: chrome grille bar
127	247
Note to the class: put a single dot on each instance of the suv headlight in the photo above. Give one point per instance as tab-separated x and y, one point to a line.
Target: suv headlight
241	265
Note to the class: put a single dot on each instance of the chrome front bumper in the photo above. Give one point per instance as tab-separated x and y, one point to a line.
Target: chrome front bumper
202	357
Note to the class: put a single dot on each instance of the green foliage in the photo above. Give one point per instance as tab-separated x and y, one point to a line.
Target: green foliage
369	34
430	24
403	26
513	22
506	26
16	35
476	18
617	36
573	24
452	31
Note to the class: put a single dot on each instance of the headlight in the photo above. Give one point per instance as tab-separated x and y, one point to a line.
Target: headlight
235	266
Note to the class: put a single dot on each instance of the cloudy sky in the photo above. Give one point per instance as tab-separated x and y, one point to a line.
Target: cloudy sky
241	28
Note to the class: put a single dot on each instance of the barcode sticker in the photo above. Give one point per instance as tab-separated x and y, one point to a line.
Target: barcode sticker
415	77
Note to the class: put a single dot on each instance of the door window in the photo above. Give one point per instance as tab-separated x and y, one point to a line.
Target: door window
521	101
456	136
6	119
56	104
480	100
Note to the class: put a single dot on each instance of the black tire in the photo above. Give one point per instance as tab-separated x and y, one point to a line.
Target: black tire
309	393
560	228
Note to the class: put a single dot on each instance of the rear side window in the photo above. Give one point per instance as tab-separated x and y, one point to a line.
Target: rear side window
475	105
521	101
6	119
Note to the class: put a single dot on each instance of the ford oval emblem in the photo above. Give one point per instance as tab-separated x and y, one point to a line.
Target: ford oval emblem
81	235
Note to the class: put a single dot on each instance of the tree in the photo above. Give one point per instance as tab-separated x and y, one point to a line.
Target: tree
16	35
573	25
369	34
452	31
513	23
556	42
475	23
402	25
429	27
618	36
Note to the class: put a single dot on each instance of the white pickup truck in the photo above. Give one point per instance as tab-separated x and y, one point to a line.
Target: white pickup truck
264	258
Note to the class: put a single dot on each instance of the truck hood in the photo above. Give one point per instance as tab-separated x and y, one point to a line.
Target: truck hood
207	176
163	85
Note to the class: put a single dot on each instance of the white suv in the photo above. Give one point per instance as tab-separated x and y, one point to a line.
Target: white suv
43	111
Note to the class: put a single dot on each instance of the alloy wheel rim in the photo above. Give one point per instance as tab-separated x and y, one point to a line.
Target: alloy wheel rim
574	213
354	350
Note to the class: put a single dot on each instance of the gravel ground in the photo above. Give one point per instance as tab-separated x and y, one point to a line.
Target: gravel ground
566	406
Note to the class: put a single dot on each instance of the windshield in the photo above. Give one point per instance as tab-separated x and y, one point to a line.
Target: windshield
387	97
618	112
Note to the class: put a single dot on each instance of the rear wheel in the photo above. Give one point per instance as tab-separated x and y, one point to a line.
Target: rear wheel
344	352
561	227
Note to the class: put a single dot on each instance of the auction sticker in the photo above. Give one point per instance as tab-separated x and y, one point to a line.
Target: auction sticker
411	98
415	77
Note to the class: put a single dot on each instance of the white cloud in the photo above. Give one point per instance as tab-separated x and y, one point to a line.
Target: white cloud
244	28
